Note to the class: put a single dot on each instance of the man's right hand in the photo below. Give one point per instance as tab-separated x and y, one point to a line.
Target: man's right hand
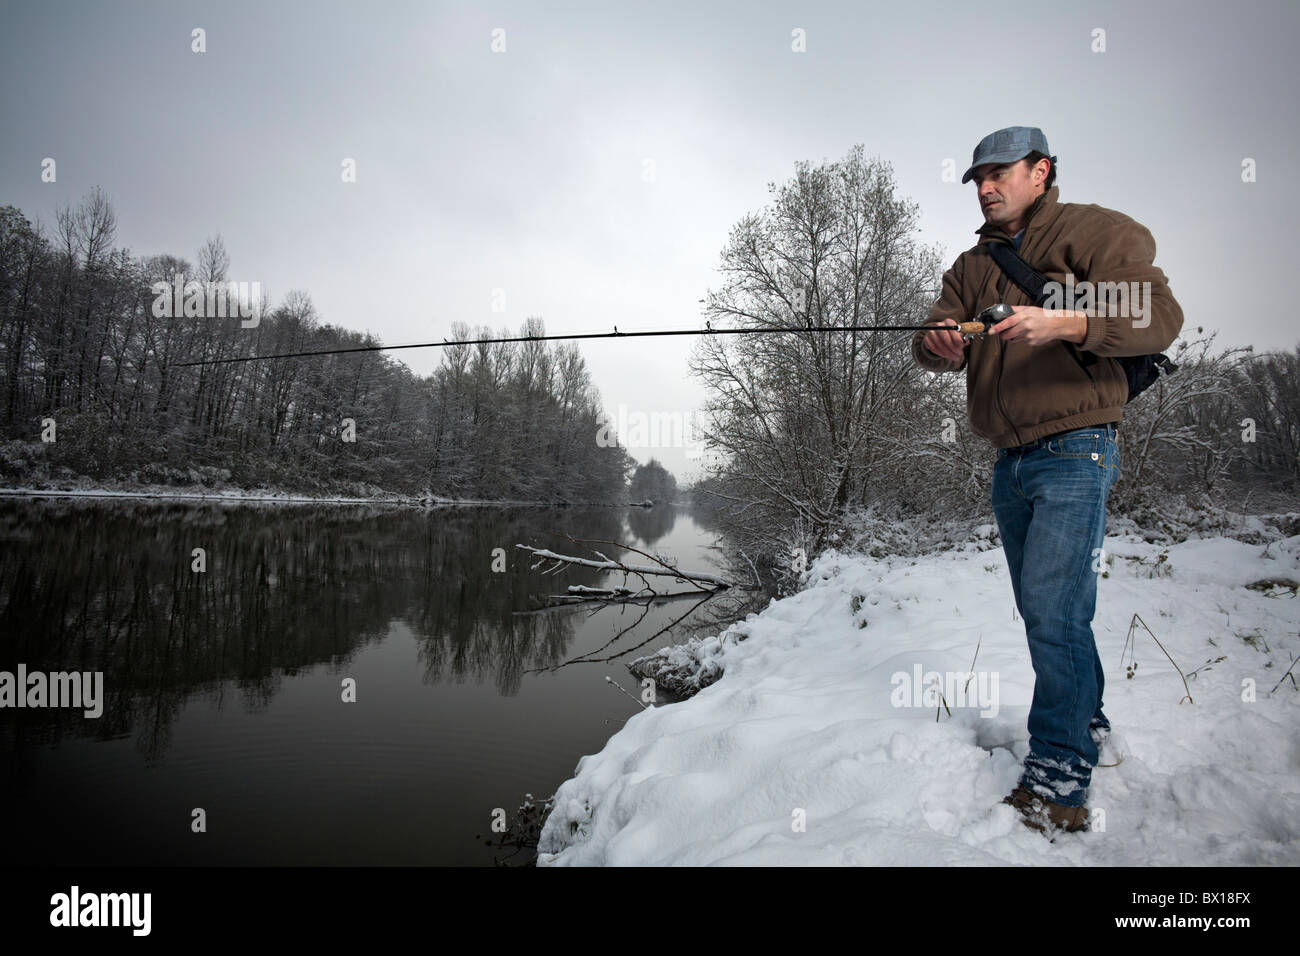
949	345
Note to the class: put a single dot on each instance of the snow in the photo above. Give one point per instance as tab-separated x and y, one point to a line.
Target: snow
190	495
804	719
255	495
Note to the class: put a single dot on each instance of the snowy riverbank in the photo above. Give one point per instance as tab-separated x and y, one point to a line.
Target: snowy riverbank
235	495
195	494
804	723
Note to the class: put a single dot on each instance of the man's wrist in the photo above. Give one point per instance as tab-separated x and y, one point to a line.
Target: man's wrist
1076	326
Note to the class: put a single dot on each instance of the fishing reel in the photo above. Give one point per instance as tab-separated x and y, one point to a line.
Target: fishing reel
992	316
979	326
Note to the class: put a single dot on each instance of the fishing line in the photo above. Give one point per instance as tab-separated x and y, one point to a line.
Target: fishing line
966	328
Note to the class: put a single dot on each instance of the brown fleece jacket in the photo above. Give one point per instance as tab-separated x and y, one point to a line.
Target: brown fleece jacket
1017	393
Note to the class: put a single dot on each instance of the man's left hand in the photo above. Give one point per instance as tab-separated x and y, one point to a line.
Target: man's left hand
1033	325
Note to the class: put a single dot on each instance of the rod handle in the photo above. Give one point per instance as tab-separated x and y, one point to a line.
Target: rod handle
967	328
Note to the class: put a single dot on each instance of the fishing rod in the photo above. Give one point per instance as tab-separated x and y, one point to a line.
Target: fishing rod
974	328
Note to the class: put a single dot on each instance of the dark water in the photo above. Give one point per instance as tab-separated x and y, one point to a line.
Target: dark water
223	689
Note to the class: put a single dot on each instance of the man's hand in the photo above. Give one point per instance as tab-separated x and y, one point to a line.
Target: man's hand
1034	326
949	345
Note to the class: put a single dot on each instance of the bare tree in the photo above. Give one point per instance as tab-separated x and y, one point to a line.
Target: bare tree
1171	430
798	417
1269	392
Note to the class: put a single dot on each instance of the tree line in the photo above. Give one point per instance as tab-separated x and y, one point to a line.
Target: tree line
92	385
653	482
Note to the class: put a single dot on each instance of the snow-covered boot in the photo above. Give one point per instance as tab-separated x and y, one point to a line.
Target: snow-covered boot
1039	813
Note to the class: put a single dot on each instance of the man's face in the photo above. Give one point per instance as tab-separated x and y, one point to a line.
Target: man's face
1007	190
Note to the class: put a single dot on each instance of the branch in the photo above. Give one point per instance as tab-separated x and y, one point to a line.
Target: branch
692	577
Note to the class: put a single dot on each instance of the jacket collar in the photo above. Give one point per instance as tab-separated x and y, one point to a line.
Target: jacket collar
1046	201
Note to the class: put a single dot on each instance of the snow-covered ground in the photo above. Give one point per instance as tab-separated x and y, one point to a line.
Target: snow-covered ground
239	495
192	494
800	754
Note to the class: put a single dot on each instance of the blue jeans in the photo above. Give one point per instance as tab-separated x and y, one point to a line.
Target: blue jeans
1049	498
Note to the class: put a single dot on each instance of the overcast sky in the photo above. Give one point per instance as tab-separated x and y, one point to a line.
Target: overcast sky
523	170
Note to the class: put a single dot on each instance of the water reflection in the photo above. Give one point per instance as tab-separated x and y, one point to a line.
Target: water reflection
652	524
470	696
93	587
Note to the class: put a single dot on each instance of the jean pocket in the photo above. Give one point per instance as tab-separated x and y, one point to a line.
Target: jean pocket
1083	444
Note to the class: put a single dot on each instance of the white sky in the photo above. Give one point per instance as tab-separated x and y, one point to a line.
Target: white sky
522	170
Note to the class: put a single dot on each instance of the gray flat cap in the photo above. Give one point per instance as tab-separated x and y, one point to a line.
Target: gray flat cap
1007	146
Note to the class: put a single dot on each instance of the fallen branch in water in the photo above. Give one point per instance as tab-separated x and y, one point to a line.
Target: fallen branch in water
702	582
566	602
581	594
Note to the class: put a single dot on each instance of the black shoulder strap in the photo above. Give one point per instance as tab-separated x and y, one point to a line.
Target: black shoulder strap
1021	272
1033	283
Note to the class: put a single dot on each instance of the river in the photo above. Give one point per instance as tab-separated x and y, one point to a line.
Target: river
226	736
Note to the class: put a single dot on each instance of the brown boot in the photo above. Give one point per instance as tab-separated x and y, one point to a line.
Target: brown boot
1039	813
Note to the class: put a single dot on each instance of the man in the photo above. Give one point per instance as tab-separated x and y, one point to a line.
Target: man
1043	387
